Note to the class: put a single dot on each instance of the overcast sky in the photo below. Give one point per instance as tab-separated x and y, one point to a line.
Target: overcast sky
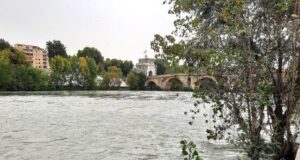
118	28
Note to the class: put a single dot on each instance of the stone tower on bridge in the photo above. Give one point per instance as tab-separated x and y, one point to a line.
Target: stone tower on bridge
147	66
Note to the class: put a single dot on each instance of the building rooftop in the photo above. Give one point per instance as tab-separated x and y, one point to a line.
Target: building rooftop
29	46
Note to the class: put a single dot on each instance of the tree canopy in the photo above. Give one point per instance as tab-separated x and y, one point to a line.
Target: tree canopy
125	66
55	48
252	47
4	44
14	57
172	57
92	53
136	81
111	78
73	72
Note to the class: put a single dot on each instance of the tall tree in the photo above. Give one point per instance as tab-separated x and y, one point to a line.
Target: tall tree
111	78
161	66
6	75
125	66
4	44
93	70
75	76
136	81
56	48
92	53
73	72
252	47
61	69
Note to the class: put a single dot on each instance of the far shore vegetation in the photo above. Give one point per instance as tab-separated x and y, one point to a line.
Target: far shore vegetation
85	70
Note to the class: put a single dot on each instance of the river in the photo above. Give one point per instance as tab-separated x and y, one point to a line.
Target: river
108	125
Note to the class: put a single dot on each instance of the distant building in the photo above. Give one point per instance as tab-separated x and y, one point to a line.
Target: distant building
37	56
147	66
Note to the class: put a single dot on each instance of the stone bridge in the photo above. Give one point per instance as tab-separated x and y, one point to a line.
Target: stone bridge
187	80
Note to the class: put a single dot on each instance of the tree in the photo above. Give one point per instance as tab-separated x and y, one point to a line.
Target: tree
6	75
101	68
75	72
60	74
111	62
252	47
93	70
92	53
168	49
14	57
125	66
18	75
56	48
4	44
84	72
136	81
169	54
27	78
161	66
111	78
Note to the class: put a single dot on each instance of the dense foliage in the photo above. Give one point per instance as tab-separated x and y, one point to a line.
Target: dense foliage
111	78
73	72
92	53
87	70
56	48
136	81
125	66
17	75
4	44
252	48
171	56
161	66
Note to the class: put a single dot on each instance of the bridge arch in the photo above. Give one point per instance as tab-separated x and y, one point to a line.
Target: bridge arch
174	83
150	82
152	85
206	82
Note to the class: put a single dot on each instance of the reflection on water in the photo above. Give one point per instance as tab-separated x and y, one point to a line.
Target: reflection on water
110	125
